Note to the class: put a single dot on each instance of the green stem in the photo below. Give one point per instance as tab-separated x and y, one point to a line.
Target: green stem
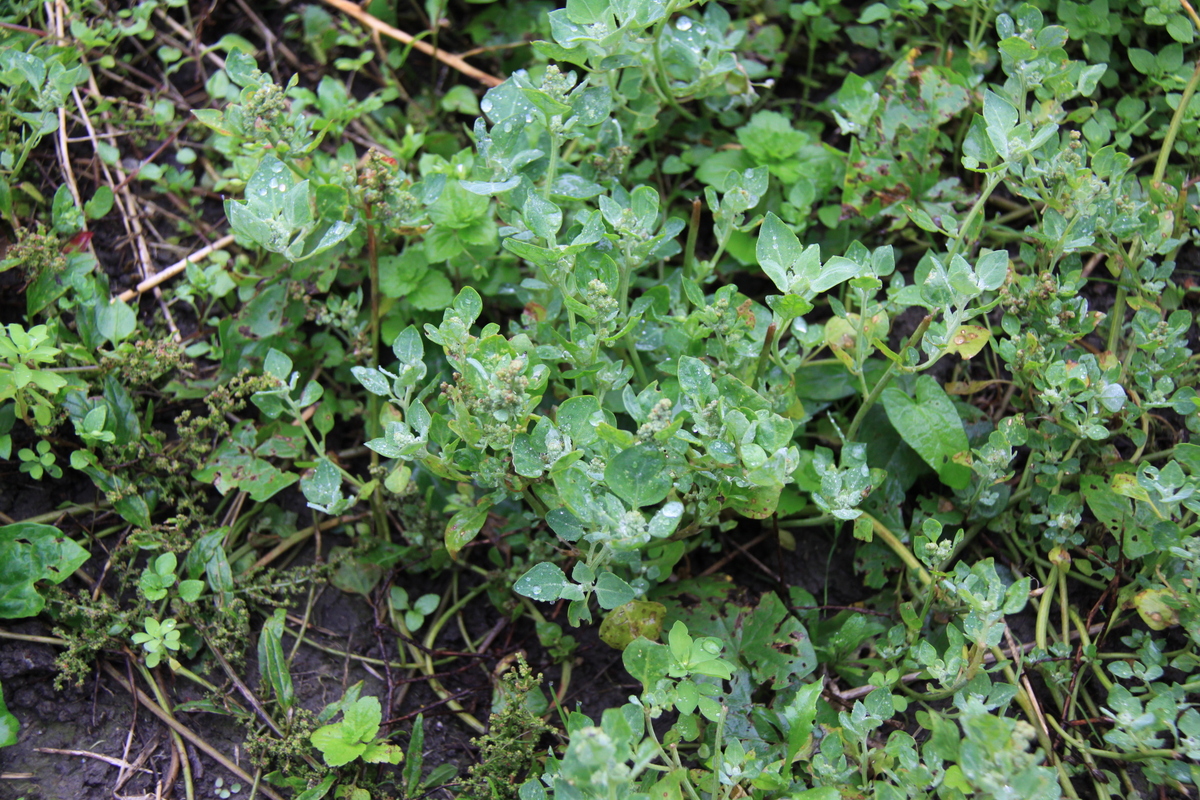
333	651
1026	704
689	251
993	180
899	548
764	356
51	516
687	782
1164	154
552	169
1043	615
857	422
1115	755
660	67
177	740
378	512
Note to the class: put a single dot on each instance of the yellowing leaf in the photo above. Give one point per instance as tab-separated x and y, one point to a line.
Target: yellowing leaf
968	340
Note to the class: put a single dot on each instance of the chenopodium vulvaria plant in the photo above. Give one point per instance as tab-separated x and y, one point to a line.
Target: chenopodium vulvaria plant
627	421
629	412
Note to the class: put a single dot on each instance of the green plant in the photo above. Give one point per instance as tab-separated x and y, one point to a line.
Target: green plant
158	639
354	736
507	752
37	464
9	726
158	579
414	614
32	387
701	286
31	553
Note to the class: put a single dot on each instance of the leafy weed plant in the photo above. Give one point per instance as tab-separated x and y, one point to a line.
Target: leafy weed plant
913	280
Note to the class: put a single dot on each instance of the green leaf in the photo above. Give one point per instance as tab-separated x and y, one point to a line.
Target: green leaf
372	381
333	746
542	217
460	98
324	487
214	119
586	12
464	526
646	661
577	417
611	591
931	426
272	663
277	365
68	220
433	293
100	204
777	250
416	757
362	719
30	553
9	727
1181	29
545	582
991	269
639	475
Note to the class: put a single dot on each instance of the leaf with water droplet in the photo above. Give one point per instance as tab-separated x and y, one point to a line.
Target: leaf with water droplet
545	582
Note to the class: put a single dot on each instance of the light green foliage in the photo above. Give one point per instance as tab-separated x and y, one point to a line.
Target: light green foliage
158	580
22	378
354	736
9	727
416	611
158	639
901	291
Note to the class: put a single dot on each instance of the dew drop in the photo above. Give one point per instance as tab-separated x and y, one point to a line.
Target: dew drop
673	509
683	23
486	106
536	590
528	119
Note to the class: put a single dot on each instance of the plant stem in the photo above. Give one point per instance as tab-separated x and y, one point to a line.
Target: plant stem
993	180
899	548
1164	154
378	513
1043	615
856	423
662	80
689	250
552	168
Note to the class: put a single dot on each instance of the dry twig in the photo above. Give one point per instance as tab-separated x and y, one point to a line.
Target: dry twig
450	60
